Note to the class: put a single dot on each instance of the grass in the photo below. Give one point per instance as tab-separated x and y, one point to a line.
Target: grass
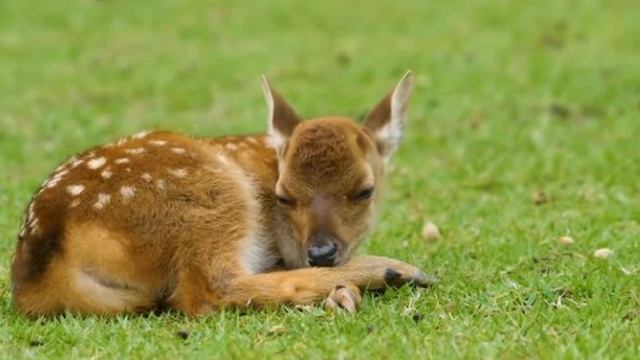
513	97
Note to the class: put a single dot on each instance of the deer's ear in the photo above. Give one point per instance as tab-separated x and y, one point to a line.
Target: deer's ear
386	121
282	119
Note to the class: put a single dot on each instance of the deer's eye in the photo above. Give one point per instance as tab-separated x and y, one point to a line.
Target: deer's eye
364	194
285	201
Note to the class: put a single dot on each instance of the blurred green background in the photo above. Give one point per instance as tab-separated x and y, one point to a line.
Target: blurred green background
512	98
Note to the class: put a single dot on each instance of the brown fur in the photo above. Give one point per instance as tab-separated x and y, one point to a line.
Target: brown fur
195	223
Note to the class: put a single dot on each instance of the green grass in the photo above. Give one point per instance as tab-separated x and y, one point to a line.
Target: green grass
512	97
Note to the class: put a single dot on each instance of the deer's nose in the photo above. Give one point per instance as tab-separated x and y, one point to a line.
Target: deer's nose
322	253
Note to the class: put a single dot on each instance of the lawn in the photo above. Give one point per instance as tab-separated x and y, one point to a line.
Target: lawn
513	98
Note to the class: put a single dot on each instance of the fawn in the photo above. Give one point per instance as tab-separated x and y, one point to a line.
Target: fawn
198	224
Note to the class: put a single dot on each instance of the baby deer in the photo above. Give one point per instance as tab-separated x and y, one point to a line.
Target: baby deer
198	224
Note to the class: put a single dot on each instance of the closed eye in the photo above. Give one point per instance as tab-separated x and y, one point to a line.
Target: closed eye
285	201
364	194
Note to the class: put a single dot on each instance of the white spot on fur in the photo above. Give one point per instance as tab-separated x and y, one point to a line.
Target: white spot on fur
252	140
106	173
127	192
231	147
74	203
179	173
122	141
134	151
158	142
62	173
178	150
141	135
75	190
76	163
146	177
122	160
97	163
52	183
103	200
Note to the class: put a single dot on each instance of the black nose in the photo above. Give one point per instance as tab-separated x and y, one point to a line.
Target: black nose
323	254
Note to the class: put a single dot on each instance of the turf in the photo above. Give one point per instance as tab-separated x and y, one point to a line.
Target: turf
512	98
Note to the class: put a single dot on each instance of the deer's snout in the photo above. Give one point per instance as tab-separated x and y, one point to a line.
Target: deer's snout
322	250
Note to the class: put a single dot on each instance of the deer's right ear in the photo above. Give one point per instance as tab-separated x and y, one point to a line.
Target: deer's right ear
282	119
386	120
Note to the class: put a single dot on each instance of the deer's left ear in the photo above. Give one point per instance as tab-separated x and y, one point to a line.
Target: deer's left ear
386	121
282	119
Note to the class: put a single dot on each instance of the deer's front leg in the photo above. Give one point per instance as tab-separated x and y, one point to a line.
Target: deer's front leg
341	284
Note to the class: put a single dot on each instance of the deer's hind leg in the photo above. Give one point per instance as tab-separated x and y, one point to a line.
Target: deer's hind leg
91	274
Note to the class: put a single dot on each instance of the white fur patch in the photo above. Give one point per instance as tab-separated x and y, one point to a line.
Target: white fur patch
179	173
50	183
134	151
106	173
96	163
76	163
103	200
74	203
127	192
231	147
258	255
258	252
158	142
276	140
62	173
75	190
141	135
178	150
122	160
146	177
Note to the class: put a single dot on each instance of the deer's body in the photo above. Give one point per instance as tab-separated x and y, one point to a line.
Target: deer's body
161	218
